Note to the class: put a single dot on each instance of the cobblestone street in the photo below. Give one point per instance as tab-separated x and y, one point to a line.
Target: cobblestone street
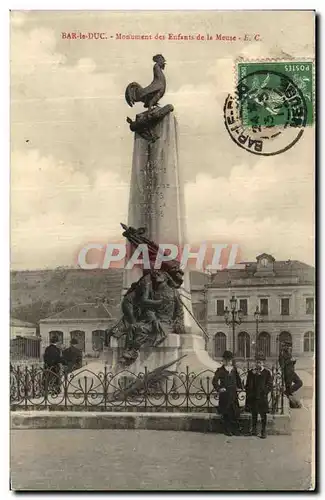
161	460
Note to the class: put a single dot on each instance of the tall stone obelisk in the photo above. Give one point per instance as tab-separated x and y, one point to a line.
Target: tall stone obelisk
156	195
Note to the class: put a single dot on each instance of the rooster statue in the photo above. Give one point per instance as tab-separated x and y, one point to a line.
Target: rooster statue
151	94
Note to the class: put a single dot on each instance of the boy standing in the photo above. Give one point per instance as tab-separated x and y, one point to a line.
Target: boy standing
258	385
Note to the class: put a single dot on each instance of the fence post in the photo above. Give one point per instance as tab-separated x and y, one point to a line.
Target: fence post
18	383
86	395
166	393
145	388
26	386
65	388
274	391
187	388
105	386
282	393
208	391
45	382
33	381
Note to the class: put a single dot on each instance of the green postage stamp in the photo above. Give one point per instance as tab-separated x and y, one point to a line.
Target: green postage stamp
276	93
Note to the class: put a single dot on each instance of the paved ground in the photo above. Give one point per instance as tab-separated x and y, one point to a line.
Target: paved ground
161	460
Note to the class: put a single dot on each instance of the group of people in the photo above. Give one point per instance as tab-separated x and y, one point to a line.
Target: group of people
259	383
54	358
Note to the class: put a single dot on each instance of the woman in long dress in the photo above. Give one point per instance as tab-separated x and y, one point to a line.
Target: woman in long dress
227	383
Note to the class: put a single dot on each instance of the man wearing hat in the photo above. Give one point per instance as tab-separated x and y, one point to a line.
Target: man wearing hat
258	385
226	382
292	381
52	361
72	357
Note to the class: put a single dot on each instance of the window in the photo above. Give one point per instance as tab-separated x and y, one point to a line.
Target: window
220	307
309	342
243	306
285	307
310	306
58	334
244	345
285	337
264	344
220	344
264	307
80	337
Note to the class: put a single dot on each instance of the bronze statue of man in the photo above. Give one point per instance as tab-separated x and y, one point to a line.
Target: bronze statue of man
151	309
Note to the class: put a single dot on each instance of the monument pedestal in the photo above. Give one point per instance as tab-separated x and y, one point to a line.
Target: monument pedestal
150	358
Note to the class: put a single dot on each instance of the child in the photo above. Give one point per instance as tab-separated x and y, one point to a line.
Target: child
258	385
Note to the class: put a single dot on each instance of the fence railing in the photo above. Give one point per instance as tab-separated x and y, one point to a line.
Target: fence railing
25	348
34	388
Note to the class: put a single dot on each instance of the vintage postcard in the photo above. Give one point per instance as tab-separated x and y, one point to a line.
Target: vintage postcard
162	329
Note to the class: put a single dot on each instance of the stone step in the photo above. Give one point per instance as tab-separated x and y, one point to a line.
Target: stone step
195	422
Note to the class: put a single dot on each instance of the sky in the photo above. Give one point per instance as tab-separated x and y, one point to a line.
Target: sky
71	149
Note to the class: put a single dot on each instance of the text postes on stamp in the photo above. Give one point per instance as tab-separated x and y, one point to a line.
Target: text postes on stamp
300	73
268	113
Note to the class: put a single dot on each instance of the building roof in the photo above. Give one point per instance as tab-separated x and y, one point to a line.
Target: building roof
21	323
198	278
295	269
83	311
26	337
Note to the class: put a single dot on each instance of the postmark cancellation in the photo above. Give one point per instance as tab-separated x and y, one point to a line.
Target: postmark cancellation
272	104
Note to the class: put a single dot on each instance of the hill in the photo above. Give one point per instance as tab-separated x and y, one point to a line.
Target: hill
38	294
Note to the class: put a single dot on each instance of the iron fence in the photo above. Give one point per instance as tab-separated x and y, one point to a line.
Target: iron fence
25	348
34	388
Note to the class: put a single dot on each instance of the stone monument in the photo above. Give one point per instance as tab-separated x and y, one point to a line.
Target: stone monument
158	325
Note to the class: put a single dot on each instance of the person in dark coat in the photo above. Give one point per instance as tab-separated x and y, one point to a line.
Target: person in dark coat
227	382
258	385
52	361
72	357
292	381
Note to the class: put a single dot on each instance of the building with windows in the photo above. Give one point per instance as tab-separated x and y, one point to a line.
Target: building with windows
85	322
276	303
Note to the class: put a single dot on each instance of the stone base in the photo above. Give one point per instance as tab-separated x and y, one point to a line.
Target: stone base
149	359
175	346
153	357
195	422
198	359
